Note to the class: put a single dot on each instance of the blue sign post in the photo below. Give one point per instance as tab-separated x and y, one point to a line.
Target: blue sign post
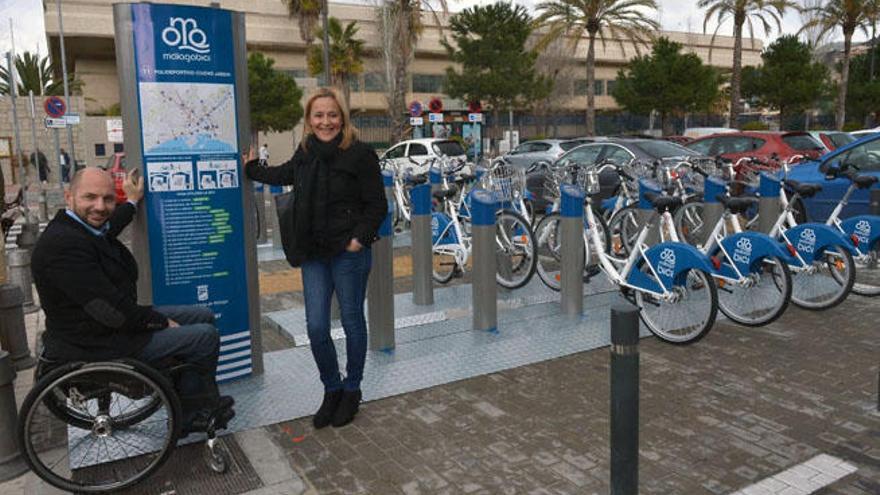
190	146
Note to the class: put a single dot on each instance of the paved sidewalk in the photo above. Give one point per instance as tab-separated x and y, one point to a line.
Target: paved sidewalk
721	416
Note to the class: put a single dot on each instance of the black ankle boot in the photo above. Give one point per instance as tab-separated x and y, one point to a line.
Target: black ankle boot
348	408
328	408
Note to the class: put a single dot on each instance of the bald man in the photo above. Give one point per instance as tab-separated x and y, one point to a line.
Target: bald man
87	282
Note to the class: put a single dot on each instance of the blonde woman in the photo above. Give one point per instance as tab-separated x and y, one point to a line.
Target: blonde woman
339	203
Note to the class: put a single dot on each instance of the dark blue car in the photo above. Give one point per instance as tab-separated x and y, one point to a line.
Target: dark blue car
863	156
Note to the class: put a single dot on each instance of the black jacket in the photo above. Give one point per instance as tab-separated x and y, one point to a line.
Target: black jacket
88	289
355	203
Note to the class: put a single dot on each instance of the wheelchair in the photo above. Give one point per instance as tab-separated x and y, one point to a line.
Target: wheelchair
97	427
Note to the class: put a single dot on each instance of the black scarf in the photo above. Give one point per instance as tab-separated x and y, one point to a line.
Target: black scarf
322	154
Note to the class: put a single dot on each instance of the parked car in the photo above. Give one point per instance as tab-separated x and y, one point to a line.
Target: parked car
832	139
767	146
116	166
862	156
865	132
538	150
622	151
415	154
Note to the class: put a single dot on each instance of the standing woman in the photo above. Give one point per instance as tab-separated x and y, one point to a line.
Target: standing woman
339	204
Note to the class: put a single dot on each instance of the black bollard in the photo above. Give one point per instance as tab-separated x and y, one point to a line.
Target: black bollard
624	400
11	464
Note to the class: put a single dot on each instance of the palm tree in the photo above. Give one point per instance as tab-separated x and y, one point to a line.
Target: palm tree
743	13
848	15
38	75
617	20
400	23
346	55
306	13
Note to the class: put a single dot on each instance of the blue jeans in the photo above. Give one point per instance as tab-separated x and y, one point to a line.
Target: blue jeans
346	274
195	342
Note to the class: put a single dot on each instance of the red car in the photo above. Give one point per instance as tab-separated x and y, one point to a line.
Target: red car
767	146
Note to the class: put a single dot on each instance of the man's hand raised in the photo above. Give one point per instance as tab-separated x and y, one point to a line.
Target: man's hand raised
133	185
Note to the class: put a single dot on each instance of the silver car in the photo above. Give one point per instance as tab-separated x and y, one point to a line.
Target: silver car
546	150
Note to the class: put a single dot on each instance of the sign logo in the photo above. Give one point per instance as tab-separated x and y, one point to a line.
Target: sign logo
863	230
186	35
807	241
743	252
667	263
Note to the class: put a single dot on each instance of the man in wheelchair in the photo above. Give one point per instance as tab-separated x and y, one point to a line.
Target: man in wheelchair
87	282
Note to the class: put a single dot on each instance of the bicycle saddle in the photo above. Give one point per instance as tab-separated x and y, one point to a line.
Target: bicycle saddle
865	181
444	194
663	203
805	190
737	205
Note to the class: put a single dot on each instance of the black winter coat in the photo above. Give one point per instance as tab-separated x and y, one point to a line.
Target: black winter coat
356	203
88	289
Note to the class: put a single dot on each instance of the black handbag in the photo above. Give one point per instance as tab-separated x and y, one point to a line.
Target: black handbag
286	211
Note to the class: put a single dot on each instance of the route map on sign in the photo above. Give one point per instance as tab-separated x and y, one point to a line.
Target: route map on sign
188	118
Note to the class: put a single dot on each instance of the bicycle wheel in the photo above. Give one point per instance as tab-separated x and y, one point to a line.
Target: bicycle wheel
548	253
688	315
623	230
443	264
826	282
867	281
515	250
763	296
689	223
109	453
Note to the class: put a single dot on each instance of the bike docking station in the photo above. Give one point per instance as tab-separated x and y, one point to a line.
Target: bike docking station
423	288
712	208
769	207
572	278
646	209
484	291
380	286
435	177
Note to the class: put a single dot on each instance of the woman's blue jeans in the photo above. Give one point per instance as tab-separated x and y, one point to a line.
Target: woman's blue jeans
345	274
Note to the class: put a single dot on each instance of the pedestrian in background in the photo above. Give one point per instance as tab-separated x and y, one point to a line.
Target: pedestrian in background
339	204
264	155
64	158
38	159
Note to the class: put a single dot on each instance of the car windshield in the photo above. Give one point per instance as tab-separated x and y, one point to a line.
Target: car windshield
664	149
802	142
840	138
448	148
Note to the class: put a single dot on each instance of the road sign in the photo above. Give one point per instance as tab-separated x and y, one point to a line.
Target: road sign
54	107
435	117
72	118
414	121
415	108
475	117
55	123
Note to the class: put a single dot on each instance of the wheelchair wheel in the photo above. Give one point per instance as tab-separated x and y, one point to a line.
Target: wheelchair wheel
77	428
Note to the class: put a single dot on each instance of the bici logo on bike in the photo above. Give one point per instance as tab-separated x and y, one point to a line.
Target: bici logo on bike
185	35
863	230
667	263
743	251
807	241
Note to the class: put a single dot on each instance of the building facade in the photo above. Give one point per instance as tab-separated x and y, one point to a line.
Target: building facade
88	30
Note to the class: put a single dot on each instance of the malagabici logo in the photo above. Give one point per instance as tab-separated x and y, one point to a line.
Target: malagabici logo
185	35
666	266
807	241
863	230
743	252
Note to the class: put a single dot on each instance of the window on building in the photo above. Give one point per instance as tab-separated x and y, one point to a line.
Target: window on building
118	148
609	86
599	87
354	83
299	73
373	82
100	149
580	87
427	83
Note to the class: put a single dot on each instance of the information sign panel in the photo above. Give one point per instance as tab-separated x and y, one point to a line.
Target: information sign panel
192	166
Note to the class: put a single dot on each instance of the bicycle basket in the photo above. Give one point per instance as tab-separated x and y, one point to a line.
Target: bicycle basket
506	181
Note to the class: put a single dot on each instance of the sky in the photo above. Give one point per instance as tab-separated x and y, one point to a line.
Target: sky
674	15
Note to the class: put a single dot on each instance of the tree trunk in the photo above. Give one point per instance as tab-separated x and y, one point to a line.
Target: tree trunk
868	117
496	125
397	108
591	90
666	124
736	75
840	117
